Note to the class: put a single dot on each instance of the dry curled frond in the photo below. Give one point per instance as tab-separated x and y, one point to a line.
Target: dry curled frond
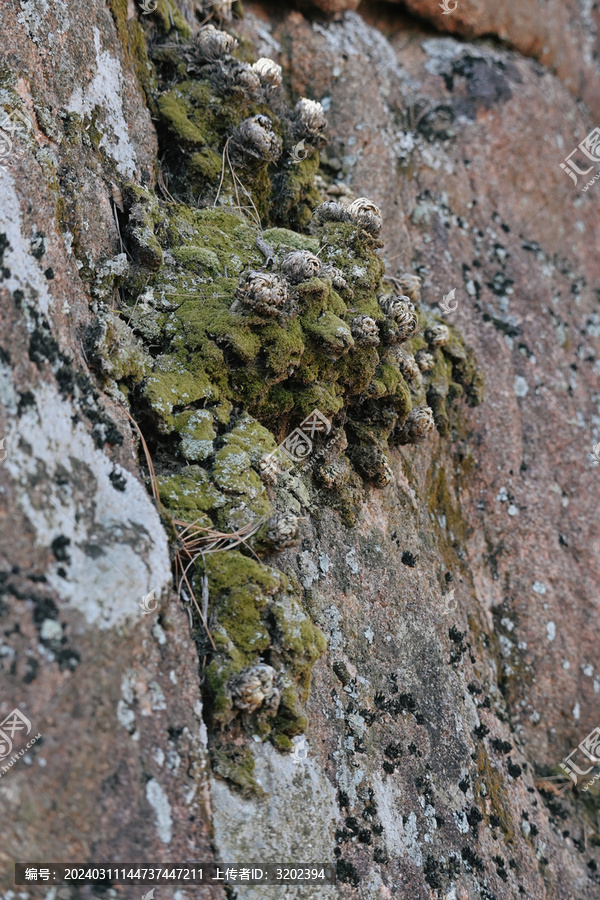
300	265
331	211
365	331
255	138
437	335
404	315
253	688
425	360
211	44
268	71
410	285
367	214
282	529
264	293
418	425
407	365
310	118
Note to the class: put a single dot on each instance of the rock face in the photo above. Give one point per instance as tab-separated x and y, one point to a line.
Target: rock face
562	36
382	648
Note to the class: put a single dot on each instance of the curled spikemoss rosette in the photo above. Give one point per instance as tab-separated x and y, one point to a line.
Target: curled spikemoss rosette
246	310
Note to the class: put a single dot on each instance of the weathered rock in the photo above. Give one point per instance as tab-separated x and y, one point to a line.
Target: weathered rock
457	597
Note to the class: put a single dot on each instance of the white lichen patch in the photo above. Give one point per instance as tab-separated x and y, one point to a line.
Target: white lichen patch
117	547
33	13
401	836
158	800
276	827
25	274
105	92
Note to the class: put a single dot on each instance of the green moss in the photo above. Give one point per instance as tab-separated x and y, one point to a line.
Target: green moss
189	494
440	504
255	609
283	238
170	18
131	35
491	789
237	767
222	385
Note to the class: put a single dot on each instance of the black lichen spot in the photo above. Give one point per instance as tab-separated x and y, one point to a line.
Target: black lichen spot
67	658
59	548
343	799
365	836
514	770
92	550
433	872
118	480
481	731
368	715
341	670
495	821
4	245
380	856
42	347
33	666
455	635
26	400
352	825
464	785
393	751
409	559
49	273
474	817
471	858
45	608
388	767
501	746
65	380
405	702
473	689
38	246
347	873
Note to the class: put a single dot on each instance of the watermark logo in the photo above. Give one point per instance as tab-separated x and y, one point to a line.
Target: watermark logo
447	8
450	603
3	452
299	153
5	145
595	452
15	723
149	603
590	748
300	751
149	895
11	124
589	149
298	445
446	304
148	6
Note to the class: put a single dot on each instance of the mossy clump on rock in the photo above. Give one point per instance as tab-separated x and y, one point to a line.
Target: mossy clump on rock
250	310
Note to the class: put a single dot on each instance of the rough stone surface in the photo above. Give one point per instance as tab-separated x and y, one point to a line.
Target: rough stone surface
460	609
563	36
